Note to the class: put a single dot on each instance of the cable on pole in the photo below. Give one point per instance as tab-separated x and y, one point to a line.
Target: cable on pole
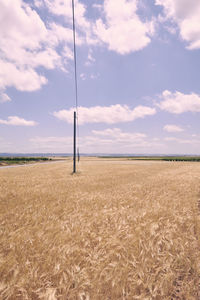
75	60
76	88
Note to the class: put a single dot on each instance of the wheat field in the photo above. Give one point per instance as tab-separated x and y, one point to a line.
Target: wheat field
116	230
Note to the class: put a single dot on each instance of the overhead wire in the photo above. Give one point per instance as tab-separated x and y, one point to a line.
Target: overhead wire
75	74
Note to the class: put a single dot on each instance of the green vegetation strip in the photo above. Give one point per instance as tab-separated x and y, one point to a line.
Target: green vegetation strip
171	158
158	158
21	160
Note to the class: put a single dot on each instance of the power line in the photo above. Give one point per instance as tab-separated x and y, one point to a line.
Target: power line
75	60
76	125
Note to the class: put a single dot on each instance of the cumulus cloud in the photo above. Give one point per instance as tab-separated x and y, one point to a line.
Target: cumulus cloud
4	97
105	114
185	14
37	42
118	141
64	8
121	27
122	140
25	79
51	139
83	25
83	76
172	128
22	34
60	34
16	121
28	43
90	58
119	134
182	141
178	103
51	144
65	144
110	140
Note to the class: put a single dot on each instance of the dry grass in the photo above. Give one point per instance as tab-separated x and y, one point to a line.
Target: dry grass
117	230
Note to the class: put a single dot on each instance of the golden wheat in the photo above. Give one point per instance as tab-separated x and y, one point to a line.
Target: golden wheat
115	230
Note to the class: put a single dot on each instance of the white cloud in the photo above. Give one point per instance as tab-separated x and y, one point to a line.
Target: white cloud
184	13
90	58
118	134
172	128
51	144
116	141
182	141
18	21
110	143
123	31
22	37
120	26
67	52
47	43
51	139
27	43
120	140
4	97
83	76
105	114
178	103
23	79
171	29
105	141
62	8
16	121
38	3
97	6
94	76
84	30
60	34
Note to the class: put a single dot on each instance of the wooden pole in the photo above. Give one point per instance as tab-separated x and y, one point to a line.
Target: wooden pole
74	156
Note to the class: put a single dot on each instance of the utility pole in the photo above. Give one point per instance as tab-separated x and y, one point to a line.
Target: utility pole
74	156
76	86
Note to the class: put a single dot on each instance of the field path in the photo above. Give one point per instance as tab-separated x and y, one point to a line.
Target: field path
115	230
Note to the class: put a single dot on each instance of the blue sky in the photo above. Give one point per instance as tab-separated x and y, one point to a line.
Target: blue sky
138	76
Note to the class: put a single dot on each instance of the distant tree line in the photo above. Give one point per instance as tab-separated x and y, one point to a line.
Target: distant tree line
181	158
20	159
162	158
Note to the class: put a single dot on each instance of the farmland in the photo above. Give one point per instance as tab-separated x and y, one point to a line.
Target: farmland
118	229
